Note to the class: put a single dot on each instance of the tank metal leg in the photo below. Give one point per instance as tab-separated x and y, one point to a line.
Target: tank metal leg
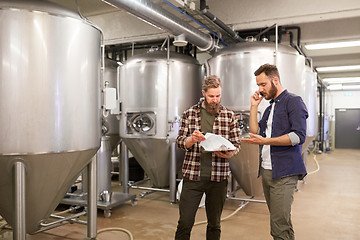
92	199
19	231
103	168
172	173
103	197
124	167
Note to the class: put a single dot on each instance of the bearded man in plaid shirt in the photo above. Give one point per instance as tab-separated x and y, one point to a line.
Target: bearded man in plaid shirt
205	172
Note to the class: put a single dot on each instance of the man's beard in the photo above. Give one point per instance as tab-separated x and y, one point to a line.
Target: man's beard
272	92
212	108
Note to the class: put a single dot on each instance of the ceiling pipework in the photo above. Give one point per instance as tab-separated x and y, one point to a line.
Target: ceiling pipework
156	15
218	22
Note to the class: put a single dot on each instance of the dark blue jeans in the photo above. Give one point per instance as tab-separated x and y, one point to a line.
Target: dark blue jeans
190	198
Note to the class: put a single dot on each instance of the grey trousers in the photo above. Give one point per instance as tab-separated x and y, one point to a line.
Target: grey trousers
190	198
279	195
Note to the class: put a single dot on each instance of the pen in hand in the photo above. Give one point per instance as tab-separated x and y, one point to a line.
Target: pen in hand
198	136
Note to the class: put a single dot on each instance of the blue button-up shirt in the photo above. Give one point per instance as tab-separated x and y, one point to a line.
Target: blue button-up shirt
290	116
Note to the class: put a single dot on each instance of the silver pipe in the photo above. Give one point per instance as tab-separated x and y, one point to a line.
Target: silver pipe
139	182
132	48
61	222
264	31
127	39
276	39
102	47
76	194
165	41
92	199
124	167
167	81
50	227
71	220
71	209
172	173
103	166
310	61
62	219
19	230
156	15
247	199
222	25
167	94
150	189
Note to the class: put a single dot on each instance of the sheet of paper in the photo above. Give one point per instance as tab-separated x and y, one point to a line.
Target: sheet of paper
215	142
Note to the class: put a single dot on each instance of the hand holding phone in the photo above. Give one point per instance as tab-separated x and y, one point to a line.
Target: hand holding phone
256	98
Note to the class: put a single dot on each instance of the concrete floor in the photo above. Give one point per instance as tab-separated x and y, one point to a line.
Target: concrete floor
327	206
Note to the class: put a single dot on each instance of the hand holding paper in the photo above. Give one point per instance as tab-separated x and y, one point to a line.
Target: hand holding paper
214	143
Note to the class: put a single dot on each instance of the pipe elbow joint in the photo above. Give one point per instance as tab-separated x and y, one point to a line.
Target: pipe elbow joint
210	46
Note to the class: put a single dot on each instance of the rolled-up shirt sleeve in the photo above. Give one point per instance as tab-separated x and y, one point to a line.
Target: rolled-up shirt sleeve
297	117
295	140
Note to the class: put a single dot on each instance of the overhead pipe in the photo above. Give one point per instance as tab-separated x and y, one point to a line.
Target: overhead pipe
264	31
190	17
218	22
298	29
149	12
284	30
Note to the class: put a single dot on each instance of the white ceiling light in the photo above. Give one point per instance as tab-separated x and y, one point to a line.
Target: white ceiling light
342	80
343	87
338	68
350	87
317	46
335	87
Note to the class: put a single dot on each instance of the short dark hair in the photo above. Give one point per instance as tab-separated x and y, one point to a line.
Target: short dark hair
269	70
211	81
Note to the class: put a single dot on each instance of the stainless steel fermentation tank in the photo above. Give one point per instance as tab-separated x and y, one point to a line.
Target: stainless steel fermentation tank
49	104
111	121
110	130
309	96
155	90
236	65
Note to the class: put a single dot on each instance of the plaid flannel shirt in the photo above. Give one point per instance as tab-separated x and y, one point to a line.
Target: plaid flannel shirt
225	125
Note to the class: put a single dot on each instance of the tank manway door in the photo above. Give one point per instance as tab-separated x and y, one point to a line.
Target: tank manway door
243	121
141	123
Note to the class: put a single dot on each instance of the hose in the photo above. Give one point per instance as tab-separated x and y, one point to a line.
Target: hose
316	161
68	210
243	205
3	223
317	164
116	229
227	217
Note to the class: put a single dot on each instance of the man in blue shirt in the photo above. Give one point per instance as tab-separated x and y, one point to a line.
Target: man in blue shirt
280	134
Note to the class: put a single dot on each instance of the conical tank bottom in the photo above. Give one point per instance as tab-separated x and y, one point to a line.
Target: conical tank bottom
153	155
114	141
48	177
245	167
